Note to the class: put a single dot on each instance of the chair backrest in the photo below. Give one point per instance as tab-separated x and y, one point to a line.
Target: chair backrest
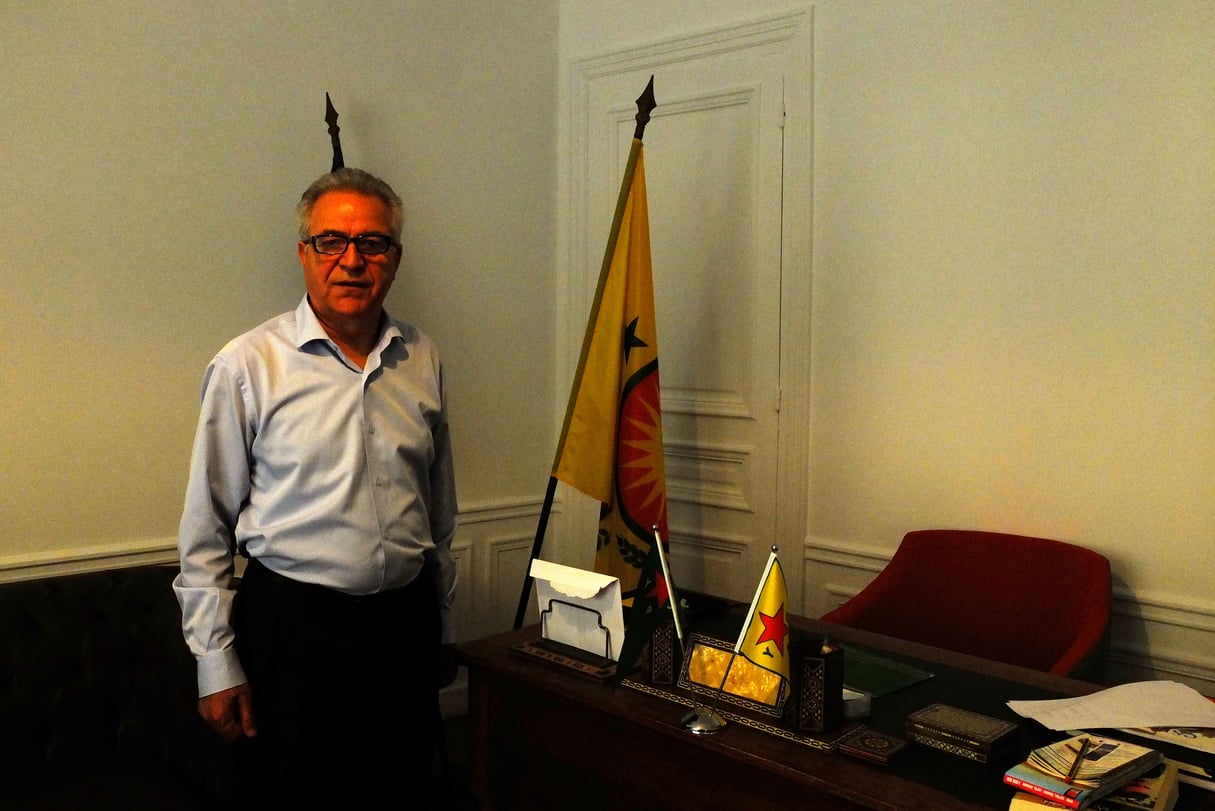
1032	602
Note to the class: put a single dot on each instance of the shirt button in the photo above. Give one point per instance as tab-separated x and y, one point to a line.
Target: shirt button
379	482
371	430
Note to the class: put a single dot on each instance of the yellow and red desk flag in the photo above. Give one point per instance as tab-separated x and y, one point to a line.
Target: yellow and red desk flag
611	443
764	640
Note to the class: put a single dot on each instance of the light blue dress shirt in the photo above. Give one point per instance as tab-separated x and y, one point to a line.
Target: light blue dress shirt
324	472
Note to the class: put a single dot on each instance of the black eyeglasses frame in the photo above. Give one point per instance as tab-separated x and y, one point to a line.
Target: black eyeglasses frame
360	243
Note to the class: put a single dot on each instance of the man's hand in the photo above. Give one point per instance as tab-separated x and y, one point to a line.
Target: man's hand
230	712
447	665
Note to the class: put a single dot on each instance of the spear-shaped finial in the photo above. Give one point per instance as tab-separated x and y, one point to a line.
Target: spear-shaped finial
645	103
331	118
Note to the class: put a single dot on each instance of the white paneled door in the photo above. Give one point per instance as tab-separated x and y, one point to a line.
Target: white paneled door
732	305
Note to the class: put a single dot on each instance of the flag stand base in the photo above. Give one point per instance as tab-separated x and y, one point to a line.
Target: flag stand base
703	721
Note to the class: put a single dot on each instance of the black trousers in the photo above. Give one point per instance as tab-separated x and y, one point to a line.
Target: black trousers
345	694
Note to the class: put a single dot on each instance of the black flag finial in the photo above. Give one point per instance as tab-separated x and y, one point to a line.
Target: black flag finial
331	117
645	104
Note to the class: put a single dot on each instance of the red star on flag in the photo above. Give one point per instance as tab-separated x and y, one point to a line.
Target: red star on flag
775	629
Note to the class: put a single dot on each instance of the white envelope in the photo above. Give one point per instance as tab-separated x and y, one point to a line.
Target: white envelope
579	608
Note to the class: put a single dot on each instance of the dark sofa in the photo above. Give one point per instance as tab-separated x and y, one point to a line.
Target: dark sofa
98	697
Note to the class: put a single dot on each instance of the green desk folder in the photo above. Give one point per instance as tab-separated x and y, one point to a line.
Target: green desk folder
877	675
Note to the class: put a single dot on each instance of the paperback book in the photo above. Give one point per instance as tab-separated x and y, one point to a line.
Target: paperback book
1079	771
1193	775
1156	790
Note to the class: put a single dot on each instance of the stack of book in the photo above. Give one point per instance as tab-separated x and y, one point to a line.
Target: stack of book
1157	790
1078	772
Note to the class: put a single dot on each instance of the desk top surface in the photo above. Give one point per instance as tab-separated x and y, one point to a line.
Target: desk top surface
920	777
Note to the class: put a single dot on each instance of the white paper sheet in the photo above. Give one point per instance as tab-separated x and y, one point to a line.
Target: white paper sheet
1139	704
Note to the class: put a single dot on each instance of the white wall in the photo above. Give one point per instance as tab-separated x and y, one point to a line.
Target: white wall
152	157
1014	239
1013	292
1014	236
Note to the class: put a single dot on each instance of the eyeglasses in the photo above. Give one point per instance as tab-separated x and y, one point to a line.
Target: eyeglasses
365	244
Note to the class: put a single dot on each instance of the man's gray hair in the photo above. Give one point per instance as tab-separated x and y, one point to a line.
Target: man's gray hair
352	180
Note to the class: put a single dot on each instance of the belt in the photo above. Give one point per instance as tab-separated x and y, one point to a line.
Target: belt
259	576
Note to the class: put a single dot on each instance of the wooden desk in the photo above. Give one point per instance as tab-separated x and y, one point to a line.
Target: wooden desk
546	738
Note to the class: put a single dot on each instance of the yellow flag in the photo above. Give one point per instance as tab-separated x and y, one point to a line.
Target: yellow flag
611	443
764	640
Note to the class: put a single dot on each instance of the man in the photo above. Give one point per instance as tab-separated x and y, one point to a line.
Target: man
323	456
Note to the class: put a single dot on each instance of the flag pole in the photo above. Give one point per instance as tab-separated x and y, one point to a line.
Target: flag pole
742	634
645	105
537	543
672	595
700	720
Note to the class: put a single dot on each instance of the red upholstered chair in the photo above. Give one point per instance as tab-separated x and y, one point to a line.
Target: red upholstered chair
1032	602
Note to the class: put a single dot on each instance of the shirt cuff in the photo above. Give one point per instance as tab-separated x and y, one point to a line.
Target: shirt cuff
219	671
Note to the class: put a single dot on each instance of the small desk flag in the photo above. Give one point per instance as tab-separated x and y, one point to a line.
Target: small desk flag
654	602
764	640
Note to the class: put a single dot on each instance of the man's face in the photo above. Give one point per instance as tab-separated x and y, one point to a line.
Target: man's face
348	286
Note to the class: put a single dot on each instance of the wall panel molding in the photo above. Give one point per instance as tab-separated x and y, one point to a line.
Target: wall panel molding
491	550
124	554
500	535
35	565
501	510
708	474
712	562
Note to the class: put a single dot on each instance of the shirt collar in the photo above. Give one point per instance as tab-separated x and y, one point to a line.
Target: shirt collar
308	328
